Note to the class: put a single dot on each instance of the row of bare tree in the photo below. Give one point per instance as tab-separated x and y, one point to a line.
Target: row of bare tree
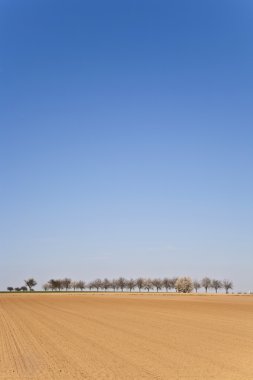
179	284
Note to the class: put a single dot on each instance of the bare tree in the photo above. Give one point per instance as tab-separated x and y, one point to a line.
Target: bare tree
30	283
59	284
227	285
10	288
167	283
74	285
114	285
196	285
140	282
66	283
173	282
184	285
130	284
216	284
52	284
157	282
122	283
97	284
206	283
148	284
106	284
80	285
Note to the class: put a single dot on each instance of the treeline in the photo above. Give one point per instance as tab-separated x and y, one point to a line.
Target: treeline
178	284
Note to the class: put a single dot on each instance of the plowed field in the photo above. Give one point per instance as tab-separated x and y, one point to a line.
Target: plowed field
123	336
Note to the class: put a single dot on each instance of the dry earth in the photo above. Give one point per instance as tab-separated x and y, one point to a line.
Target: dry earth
115	336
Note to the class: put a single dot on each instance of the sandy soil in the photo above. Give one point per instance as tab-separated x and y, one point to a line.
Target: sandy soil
99	336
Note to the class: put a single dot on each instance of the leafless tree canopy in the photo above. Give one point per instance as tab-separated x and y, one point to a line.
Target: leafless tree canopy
130	284
206	283
157	282
74	285
66	283
227	285
148	284
140	282
31	283
216	284
196	285
173	282
80	285
122	283
114	285
106	284
167	283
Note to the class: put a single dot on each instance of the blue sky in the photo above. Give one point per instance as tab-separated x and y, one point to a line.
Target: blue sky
126	139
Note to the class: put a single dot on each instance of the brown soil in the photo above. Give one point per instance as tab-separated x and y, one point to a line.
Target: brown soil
125	336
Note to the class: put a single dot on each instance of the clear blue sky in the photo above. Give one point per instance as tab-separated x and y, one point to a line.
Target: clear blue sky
126	139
